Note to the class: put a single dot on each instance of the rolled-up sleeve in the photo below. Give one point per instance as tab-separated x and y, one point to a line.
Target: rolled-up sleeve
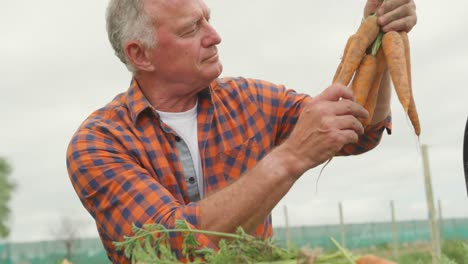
370	139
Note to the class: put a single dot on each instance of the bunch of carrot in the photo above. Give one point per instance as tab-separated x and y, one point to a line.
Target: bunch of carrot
367	55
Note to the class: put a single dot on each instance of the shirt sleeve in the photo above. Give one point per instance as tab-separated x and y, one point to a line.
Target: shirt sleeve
369	140
280	106
118	192
283	107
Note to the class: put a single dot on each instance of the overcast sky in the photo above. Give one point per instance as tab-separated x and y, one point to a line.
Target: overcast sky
57	67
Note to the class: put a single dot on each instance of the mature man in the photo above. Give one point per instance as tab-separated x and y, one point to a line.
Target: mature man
183	144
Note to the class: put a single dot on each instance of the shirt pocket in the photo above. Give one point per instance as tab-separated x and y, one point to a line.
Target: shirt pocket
239	159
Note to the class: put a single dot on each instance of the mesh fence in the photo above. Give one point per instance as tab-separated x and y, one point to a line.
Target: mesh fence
83	251
91	251
370	234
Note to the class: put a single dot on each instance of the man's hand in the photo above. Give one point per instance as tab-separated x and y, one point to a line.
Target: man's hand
397	15
325	125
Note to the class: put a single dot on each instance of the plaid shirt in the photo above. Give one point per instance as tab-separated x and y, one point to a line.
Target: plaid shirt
125	168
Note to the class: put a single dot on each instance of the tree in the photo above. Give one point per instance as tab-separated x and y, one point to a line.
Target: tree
6	189
68	233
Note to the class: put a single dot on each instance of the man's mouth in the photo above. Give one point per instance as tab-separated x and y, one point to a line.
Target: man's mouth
213	57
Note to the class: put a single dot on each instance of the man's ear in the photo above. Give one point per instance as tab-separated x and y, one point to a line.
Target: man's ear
137	56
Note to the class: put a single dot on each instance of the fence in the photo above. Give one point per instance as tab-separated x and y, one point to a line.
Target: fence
91	251
370	234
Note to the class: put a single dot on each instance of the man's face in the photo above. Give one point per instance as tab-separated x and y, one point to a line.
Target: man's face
186	51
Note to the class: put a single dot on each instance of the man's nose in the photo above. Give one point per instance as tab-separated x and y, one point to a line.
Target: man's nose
211	38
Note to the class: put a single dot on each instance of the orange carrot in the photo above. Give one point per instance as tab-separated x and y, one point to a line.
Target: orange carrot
412	112
404	37
371	259
394	51
364	37
340	66
363	79
374	90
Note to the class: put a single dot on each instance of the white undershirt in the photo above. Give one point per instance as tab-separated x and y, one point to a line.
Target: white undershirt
185	125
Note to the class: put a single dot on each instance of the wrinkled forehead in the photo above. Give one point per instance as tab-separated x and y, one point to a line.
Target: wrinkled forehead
174	8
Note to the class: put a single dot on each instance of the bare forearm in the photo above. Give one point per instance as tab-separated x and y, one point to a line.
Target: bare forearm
249	200
382	108
325	125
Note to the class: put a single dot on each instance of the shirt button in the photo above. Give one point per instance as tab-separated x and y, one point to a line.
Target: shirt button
177	138
191	180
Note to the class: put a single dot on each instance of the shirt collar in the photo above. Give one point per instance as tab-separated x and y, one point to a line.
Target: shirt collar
137	102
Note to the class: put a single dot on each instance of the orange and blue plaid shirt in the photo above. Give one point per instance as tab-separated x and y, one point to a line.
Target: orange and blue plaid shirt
125	167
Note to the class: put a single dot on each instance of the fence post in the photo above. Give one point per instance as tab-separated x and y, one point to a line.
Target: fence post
286	229
374	243
394	231
8	253
441	223
436	252
342	226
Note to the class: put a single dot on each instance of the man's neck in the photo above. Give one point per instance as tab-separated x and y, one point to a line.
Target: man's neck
167	97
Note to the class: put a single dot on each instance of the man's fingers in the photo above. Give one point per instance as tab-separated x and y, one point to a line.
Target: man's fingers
338	108
349	136
390	5
371	7
348	107
404	24
397	15
336	92
345	122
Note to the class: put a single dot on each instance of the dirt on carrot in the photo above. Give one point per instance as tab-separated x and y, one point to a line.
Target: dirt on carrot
412	111
364	37
363	79
394	51
375	87
368	55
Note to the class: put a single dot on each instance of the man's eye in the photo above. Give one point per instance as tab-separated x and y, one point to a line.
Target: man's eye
192	29
189	33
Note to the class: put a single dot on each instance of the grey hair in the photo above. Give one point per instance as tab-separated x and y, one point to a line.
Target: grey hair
127	20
